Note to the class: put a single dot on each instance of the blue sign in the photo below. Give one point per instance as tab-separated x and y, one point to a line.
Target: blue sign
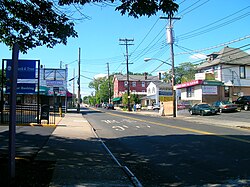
23	88
26	69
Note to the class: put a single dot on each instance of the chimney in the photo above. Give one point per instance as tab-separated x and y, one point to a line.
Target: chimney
146	75
159	76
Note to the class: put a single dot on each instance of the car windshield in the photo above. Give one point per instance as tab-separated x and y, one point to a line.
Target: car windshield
204	106
225	102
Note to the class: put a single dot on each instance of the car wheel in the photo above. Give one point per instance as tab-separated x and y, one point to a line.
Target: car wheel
246	107
202	113
220	110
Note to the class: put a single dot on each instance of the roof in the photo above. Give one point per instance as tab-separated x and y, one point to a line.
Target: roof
136	78
161	84
228	55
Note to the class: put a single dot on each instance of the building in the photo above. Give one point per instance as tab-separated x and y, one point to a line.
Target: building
225	75
137	83
158	91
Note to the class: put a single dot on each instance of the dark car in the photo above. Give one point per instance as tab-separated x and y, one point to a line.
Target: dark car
225	106
202	109
110	107
243	102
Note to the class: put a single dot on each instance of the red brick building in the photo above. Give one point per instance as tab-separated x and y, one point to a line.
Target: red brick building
137	83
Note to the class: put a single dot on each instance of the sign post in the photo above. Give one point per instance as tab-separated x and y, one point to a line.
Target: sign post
12	124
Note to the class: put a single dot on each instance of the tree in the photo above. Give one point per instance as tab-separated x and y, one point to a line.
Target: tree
135	8
183	73
33	23
101	88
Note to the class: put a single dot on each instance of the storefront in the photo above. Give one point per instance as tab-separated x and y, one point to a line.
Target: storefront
198	91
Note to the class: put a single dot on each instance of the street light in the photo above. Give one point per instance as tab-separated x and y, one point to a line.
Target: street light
173	81
148	59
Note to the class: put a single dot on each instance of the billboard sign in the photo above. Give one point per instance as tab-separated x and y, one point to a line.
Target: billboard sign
26	69
26	72
23	88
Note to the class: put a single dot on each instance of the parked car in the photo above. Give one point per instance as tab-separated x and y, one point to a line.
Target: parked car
110	106
202	109
225	106
243	102
153	107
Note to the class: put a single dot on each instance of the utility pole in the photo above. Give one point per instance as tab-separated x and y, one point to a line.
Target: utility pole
74	88
109	84
126	42
78	82
66	97
170	41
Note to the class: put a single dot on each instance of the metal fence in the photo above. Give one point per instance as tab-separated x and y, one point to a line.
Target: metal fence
28	114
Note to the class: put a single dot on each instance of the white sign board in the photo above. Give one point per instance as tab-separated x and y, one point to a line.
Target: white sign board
209	90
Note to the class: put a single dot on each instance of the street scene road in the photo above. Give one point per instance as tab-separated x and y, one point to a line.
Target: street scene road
163	151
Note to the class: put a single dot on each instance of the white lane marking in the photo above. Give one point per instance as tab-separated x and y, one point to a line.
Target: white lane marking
118	128
110	121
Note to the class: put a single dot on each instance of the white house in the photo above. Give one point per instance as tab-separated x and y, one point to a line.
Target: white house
224	75
231	66
158	91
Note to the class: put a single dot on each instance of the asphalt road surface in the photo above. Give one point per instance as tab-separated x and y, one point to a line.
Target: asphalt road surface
172	152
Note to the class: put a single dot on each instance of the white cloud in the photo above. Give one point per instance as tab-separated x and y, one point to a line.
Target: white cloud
100	76
248	51
198	56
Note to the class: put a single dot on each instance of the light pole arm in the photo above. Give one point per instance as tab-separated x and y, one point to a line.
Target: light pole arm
148	59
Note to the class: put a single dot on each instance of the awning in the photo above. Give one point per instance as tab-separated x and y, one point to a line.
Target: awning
117	99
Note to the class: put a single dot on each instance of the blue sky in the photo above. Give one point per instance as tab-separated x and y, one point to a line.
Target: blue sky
205	26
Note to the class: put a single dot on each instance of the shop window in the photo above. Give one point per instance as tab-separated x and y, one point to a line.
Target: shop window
242	72
190	91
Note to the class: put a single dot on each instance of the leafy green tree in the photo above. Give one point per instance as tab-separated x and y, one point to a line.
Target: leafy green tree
135	8
185	72
101	87
33	23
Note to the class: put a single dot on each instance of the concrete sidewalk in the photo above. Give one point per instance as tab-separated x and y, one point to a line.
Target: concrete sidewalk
80	157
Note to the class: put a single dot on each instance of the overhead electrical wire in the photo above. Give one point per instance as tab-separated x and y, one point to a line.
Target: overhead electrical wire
214	47
206	28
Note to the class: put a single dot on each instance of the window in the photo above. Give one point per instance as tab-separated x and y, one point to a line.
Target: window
153	90
125	83
242	72
142	84
190	91
133	84
226	91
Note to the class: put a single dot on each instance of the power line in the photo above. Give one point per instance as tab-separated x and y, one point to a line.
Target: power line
216	46
196	32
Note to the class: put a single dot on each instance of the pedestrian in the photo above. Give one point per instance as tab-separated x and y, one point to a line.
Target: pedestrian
137	107
134	107
161	111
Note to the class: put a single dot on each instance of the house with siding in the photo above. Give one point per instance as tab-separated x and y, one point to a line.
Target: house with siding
225	75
